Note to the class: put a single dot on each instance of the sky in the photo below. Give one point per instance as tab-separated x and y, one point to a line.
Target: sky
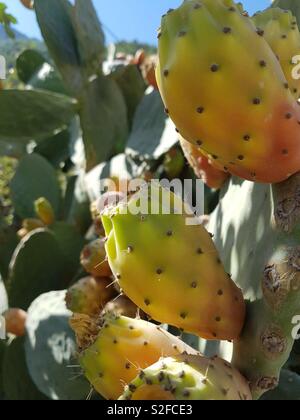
122	19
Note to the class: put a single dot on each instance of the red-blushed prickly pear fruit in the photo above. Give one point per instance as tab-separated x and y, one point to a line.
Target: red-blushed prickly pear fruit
90	295
139	57
203	166
170	269
44	211
28	225
93	259
188	377
226	92
115	348
96	217
282	33
15	320
122	305
148	70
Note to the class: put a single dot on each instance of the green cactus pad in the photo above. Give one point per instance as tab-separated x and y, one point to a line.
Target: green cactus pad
37	266
51	350
17	382
34	178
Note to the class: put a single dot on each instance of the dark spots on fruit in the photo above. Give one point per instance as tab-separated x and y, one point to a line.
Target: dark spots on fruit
149	381
215	157
170	233
130	249
131	327
219	261
214	68
159	271
295	90
241	157
286	85
176	129
256	101
288	115
147	302
225	392
260	32
166	73
215	335
262	63
161	376
285	152
142	374
197	6
132	387
227	30
182	374
143	218
236	299
100	375
199	142
167	111
183	315
220	292
182	34
146	343
127	366
204	381
247	137
200	110
115	341
194	285
211	234
175	347
218	319
225	169
253	174
186	393
231	9
283	36
199	251
118	275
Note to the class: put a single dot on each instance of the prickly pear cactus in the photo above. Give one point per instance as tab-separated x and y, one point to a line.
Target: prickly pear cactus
226	92
188	377
184	282
114	348
51	350
259	242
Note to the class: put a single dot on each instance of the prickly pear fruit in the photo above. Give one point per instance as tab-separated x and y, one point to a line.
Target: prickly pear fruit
203	166
282	33
44	211
89	295
224	88
188	377
15	320
183	280
29	4
115	348
93	259
123	306
28	225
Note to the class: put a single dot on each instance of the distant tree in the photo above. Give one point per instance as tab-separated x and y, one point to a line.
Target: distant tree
131	47
6	20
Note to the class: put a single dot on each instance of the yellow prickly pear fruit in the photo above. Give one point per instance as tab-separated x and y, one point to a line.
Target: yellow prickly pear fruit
44	211
189	377
114	349
171	269
282	33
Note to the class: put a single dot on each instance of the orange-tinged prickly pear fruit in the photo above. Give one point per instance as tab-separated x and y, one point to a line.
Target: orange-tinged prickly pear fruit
28	225
204	166
15	320
226	92
93	259
122	305
114	349
90	295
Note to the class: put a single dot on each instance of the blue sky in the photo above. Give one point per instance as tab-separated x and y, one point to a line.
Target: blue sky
127	19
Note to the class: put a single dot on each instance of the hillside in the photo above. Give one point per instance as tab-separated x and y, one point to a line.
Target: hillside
4	36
